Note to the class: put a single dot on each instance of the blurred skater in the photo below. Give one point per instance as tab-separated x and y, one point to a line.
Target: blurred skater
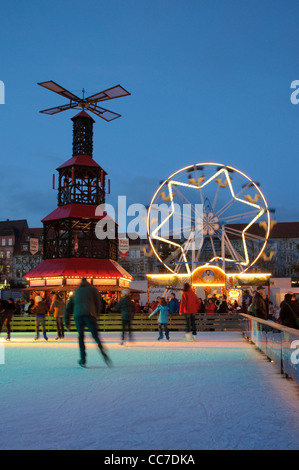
7	309
127	309
86	304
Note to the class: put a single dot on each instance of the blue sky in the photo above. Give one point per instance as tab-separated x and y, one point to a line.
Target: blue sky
210	81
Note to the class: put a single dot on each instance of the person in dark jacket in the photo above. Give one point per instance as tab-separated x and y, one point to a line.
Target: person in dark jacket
40	310
289	312
174	304
127	309
85	305
223	307
260	306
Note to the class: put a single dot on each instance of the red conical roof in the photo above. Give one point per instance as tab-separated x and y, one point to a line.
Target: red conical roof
83	114
80	160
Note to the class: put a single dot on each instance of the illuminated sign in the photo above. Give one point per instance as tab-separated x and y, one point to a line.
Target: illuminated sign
208	276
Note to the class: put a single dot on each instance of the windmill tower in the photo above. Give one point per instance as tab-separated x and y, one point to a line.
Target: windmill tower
71	249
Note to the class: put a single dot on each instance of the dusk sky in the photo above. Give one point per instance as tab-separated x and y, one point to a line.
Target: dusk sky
210	80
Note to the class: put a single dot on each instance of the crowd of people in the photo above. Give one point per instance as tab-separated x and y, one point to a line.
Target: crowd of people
86	304
37	307
209	305
287	314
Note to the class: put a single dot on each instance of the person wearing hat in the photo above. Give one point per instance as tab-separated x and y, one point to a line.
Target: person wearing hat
40	311
127	309
261	310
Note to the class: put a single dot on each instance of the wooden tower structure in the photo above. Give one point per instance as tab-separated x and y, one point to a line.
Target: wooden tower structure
71	249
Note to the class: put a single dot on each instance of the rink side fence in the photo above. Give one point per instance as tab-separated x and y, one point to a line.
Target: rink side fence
279	343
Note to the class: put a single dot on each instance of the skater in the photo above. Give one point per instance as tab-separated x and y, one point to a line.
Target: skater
189	306
86	304
40	310
57	307
163	318
127	309
7	309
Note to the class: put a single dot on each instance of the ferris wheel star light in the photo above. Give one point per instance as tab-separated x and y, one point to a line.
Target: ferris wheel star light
210	220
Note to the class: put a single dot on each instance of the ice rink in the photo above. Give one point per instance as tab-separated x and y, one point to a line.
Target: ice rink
217	393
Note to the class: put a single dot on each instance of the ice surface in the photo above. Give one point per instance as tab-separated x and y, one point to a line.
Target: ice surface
217	393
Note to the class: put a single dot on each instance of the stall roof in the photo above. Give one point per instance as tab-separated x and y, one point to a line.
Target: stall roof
79	267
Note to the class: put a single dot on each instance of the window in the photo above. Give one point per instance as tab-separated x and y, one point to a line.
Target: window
136	268
8	268
8	253
10	241
3	242
134	253
1	254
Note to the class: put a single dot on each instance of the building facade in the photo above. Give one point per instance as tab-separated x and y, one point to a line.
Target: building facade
27	254
11	232
281	257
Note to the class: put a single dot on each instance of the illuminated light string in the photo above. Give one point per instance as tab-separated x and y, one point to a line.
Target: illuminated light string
245	275
79	277
247	200
184	275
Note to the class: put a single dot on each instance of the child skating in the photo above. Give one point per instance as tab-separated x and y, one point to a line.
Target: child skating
163	318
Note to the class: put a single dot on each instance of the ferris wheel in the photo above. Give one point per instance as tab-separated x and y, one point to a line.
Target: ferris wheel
208	214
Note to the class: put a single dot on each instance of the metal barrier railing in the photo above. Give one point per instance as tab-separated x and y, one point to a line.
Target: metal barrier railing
279	343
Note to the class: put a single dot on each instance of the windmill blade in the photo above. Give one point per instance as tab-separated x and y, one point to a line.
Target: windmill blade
114	92
50	85
104	113
58	109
